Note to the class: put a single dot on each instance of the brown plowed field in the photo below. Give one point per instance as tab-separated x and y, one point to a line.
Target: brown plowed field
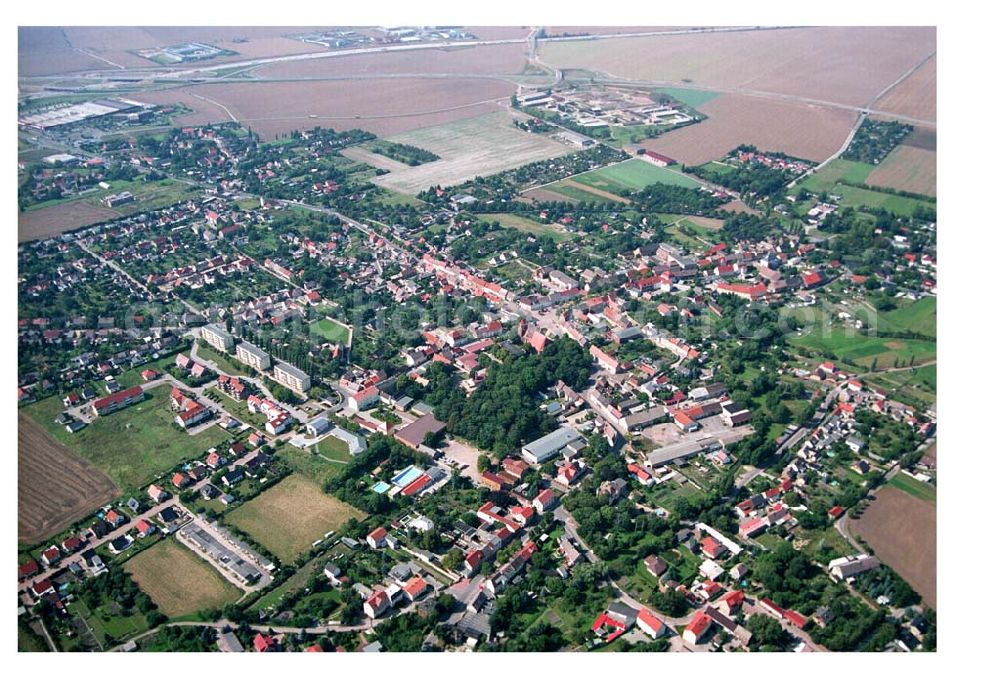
48	221
847	65
488	59
916	96
902	529
808	132
384	107
907	168
55	487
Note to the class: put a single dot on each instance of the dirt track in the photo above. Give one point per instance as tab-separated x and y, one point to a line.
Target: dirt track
55	487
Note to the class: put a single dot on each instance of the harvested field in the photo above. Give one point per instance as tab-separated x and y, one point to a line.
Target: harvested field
808	132
916	96
55	487
486	59
45	50
907	168
546	195
374	159
289	516
847	65
597	192
902	530
474	147
178	580
384	107
48	221
922	137
737	207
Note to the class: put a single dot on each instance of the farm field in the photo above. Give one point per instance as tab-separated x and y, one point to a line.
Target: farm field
178	580
526	225
477	146
384	107
633	174
55	487
39	224
916	96
909	169
132	445
914	487
807	132
487	59
333	332
902	530
868	59
568	190
289	516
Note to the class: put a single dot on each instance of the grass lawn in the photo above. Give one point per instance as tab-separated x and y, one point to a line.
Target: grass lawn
132	445
691	97
527	225
633	174
914	487
838	170
334	332
178	580
335	448
289	516
918	316
109	628
295	582
576	193
824	544
308	464
227	363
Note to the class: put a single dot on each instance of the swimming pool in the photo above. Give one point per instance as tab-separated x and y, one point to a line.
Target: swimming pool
380	488
407	476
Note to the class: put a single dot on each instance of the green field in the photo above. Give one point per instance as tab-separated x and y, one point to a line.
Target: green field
837	171
863	349
309	465
919	317
631	175
108	628
133	445
148	195
828	180
914	487
691	97
527	225
575	194
289	516
334	332
226	362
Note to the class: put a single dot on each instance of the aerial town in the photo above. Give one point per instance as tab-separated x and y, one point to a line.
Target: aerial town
593	354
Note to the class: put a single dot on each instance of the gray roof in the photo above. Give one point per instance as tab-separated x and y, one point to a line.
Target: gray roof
289	369
546	447
253	350
679	450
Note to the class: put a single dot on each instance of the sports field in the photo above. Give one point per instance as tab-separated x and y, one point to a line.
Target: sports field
289	516
477	146
178	580
132	445
334	332
633	174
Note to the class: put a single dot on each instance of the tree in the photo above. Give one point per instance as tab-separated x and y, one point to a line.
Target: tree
452	560
766	631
